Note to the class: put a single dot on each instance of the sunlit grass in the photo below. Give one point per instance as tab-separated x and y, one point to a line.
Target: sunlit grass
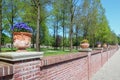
47	52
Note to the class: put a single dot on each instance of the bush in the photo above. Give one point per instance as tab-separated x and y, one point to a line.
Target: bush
84	41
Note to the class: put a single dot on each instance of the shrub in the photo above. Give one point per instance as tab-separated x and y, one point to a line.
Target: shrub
84	41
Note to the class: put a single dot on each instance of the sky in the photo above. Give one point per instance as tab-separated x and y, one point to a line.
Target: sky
112	12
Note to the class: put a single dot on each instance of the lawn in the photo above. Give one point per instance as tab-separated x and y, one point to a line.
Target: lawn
47	52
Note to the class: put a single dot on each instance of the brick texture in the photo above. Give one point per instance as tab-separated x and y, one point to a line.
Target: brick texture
76	66
27	70
5	69
65	71
95	63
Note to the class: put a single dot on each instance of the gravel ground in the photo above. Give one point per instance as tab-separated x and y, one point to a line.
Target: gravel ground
111	70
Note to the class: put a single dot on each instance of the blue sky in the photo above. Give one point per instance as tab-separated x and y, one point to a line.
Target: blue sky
112	13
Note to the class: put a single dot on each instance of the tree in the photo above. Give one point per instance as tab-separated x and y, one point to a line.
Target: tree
114	39
77	22
34	16
5	39
0	23
10	15
39	5
38	27
103	31
118	39
72	9
95	14
29	16
71	23
57	17
85	17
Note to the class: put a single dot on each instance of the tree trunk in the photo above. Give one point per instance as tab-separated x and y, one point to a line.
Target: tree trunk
12	21
63	37
63	30
71	26
38	30
76	37
56	42
33	40
0	23
12	36
54	37
63	25
71	38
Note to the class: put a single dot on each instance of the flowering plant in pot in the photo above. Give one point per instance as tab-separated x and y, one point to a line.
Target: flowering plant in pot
22	34
84	43
105	45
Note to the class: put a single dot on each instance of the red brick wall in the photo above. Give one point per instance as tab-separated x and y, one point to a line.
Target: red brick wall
77	66
104	57
66	70
27	70
58	68
95	63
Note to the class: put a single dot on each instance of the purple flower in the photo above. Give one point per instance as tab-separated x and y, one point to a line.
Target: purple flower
21	27
98	42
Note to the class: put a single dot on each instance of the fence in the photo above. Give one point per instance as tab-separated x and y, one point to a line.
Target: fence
77	66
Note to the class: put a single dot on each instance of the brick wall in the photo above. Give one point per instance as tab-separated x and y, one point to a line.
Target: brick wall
76	66
27	70
65	70
6	70
95	63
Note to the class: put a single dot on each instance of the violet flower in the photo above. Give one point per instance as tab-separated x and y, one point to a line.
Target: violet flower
21	27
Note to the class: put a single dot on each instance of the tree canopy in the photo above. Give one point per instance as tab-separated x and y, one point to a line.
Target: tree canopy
67	21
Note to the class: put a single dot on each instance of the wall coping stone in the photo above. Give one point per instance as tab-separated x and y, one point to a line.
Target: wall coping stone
94	52
18	56
85	50
62	58
98	48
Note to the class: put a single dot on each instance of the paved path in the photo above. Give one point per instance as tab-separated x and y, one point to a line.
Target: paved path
111	70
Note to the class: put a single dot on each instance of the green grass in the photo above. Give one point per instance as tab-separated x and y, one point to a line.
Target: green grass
7	49
47	52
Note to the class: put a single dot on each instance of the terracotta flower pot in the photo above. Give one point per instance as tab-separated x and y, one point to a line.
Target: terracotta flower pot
104	45
99	45
22	40
84	45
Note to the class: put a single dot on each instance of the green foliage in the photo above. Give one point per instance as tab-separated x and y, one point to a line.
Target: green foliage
84	41
45	37
10	13
30	16
73	20
5	39
118	37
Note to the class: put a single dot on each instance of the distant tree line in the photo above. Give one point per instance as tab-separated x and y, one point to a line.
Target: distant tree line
58	23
